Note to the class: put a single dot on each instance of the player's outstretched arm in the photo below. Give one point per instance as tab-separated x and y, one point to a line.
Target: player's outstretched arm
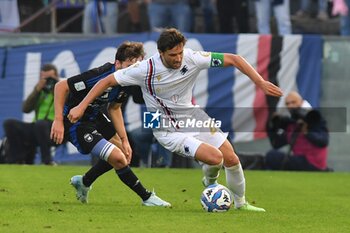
60	94
241	64
77	112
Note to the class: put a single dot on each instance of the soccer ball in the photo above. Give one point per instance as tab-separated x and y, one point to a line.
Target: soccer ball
216	198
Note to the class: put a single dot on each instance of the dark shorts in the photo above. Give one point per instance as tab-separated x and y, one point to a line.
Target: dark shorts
85	135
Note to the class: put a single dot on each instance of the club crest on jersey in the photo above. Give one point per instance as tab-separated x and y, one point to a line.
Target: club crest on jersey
186	149
88	137
184	70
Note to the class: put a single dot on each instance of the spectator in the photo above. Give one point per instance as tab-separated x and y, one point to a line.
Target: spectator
206	7
9	15
229	10
23	138
91	133
306	134
169	13
341	7
281	12
133	16
100	16
322	9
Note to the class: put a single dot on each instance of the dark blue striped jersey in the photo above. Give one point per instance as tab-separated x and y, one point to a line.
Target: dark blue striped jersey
81	84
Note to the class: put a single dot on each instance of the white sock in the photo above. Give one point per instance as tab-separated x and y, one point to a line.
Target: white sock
211	172
236	183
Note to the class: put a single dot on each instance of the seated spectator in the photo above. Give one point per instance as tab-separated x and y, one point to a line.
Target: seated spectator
306	134
305	9
282	14
23	138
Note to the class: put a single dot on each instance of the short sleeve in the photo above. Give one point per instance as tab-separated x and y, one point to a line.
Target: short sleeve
200	58
130	76
206	60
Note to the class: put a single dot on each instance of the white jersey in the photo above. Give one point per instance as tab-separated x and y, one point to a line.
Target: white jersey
170	92
166	89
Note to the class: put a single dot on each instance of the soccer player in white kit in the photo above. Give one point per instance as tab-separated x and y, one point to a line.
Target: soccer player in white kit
167	80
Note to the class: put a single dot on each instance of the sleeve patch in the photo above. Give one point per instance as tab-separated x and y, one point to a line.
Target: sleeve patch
217	60
79	86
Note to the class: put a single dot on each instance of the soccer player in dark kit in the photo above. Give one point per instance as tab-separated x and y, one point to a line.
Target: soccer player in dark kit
91	133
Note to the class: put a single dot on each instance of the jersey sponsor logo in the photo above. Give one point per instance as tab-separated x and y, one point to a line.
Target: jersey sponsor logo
151	120
88	137
122	94
105	94
184	70
79	86
95	132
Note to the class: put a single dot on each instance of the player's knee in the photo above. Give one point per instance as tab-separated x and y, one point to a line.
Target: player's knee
231	159
117	159
109	153
215	158
209	154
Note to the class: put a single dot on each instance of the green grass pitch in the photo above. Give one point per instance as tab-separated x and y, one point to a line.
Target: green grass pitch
40	199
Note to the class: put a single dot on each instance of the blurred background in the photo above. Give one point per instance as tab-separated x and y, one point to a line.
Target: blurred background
304	46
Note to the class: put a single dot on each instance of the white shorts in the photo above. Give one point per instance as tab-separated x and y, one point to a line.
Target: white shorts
186	143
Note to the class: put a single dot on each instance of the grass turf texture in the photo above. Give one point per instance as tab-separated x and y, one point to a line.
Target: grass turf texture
40	199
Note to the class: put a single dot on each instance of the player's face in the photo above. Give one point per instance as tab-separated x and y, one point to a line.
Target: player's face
127	62
172	58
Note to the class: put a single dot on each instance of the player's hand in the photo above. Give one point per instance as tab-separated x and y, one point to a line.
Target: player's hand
127	149
75	114
57	131
271	89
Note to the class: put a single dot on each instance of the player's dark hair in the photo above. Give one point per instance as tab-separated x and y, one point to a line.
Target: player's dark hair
48	67
129	50
170	38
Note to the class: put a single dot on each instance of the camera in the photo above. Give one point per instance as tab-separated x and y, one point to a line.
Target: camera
50	84
299	113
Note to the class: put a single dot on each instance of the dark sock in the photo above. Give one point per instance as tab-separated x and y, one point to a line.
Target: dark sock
95	171
130	179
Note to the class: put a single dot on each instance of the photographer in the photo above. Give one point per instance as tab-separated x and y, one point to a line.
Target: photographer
306	134
23	138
